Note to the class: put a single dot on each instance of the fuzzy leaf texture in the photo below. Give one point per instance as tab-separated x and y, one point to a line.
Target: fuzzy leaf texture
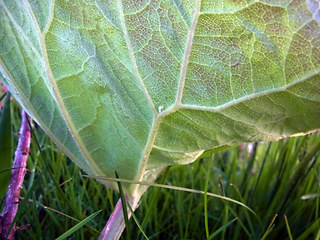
134	86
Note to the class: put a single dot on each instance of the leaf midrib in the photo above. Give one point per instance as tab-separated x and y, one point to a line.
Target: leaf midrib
159	116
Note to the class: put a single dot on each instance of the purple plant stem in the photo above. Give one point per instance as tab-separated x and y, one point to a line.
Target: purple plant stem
17	175
115	225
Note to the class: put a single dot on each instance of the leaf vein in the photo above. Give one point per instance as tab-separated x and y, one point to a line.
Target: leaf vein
132	57
187	53
250	96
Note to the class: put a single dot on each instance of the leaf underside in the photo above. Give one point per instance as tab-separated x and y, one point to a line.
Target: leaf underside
134	86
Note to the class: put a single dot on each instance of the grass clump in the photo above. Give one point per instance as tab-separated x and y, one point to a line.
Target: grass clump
279	181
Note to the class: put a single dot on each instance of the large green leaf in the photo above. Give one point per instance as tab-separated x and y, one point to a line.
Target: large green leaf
134	86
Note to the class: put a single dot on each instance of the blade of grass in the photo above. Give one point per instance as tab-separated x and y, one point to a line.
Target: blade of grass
5	146
318	234
226	209
172	188
249	168
269	229
241	224
61	193
309	230
303	169
3	95
288	227
137	222
124	207
77	226
154	198
246	213
36	222
8	169
260	173
222	228
51	175
205	203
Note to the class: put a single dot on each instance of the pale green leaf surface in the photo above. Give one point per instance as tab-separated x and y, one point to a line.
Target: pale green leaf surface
135	86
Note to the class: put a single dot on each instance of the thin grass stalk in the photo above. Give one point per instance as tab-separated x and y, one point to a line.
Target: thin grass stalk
154	198
205	203
17	175
124	207
115	225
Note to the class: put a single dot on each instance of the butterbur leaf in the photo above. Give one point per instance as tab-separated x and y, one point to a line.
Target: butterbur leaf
5	146
134	86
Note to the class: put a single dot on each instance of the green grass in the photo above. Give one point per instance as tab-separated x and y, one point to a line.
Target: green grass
280	178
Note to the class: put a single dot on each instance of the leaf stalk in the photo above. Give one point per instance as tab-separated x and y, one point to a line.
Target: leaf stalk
116	224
